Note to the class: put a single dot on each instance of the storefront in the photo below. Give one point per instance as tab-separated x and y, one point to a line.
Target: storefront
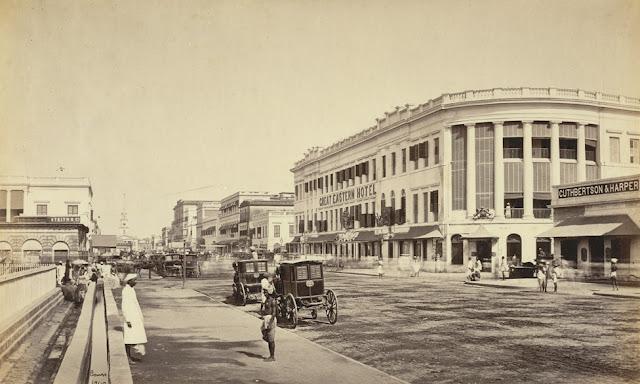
595	222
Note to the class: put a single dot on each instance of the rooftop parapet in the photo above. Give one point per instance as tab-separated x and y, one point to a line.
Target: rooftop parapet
408	111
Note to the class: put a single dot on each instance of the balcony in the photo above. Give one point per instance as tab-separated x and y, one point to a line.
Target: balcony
541	153
590	155
568	153
512	153
542	213
514	213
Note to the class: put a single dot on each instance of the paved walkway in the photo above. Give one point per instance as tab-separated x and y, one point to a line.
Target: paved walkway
571	287
194	339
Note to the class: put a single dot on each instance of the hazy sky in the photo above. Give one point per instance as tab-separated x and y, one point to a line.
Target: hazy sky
154	98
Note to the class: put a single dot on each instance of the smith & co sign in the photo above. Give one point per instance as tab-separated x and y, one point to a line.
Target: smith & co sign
349	195
600	189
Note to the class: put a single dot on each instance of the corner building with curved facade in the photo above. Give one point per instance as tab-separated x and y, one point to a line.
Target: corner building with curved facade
465	174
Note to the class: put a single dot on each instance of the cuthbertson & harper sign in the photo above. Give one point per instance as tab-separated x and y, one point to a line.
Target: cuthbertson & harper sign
349	195
600	189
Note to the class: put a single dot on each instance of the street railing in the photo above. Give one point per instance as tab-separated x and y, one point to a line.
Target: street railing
7	269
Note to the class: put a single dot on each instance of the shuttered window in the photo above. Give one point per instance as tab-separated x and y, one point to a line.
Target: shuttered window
484	165
513	177
568	173
458	167
541	177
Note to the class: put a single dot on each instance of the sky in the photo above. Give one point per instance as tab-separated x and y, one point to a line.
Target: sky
156	101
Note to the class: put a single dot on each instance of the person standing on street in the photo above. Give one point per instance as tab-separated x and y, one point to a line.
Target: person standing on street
555	275
134	333
547	274
504	267
268	327
541	277
380	269
614	274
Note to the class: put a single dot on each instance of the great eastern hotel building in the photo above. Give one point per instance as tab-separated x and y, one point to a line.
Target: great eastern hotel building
465	174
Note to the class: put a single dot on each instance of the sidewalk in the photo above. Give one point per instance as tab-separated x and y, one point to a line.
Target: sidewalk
195	339
571	287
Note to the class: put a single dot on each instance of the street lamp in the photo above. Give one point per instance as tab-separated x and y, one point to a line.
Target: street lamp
184	262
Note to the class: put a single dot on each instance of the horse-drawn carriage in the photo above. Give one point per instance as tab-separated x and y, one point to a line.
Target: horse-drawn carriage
246	279
301	286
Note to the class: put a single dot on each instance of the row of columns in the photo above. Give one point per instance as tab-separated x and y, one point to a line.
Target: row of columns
527	164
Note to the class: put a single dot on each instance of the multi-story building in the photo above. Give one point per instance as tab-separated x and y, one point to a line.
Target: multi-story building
255	224
233	230
466	174
271	230
207	215
45	219
186	216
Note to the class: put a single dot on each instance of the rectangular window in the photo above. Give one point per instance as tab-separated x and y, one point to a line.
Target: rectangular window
459	167
404	160
568	149
484	165
291	226
436	151
634	151
373	165
301	273
72	210
276	230
415	207
614	149
384	166
41	210
393	163
433	204
425	208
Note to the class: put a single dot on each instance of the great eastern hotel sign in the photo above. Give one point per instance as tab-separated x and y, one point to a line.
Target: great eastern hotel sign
349	195
600	189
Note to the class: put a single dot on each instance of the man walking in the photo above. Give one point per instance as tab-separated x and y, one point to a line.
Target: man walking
134	333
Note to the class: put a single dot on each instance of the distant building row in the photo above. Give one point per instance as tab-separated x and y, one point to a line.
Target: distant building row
261	219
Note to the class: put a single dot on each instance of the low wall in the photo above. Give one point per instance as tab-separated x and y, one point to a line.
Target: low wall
19	290
76	362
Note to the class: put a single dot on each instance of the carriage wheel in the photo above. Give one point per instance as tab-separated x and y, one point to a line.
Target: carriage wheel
332	307
242	295
291	311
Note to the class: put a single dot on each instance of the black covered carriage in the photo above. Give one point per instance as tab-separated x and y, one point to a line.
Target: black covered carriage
246	279
301	286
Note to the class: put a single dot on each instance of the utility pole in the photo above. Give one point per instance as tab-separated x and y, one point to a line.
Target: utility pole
184	262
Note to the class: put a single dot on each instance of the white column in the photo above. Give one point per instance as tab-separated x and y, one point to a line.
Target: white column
555	152
8	212
582	164
527	171
498	169
471	170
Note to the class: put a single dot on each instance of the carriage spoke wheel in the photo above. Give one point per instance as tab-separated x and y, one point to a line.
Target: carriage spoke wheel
332	307
291	311
242	295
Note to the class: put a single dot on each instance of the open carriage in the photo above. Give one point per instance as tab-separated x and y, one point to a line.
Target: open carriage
246	279
301	286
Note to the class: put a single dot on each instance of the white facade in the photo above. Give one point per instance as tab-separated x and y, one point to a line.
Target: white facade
524	141
45	218
271	230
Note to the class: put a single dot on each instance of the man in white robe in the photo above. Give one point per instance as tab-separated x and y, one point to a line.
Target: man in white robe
134	333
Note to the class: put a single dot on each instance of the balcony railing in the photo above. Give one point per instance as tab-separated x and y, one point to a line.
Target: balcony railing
514	213
568	153
512	153
542	213
590	155
540	153
7	269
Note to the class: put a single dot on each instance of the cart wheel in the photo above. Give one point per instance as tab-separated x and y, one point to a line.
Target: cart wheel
242	295
291	313
314	314
332	307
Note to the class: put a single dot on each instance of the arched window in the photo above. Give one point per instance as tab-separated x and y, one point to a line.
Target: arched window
60	251
514	249
31	251
5	252
393	208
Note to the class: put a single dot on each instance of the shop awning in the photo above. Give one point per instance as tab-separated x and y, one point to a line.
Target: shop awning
419	232
367	236
593	226
296	239
322	238
480	233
